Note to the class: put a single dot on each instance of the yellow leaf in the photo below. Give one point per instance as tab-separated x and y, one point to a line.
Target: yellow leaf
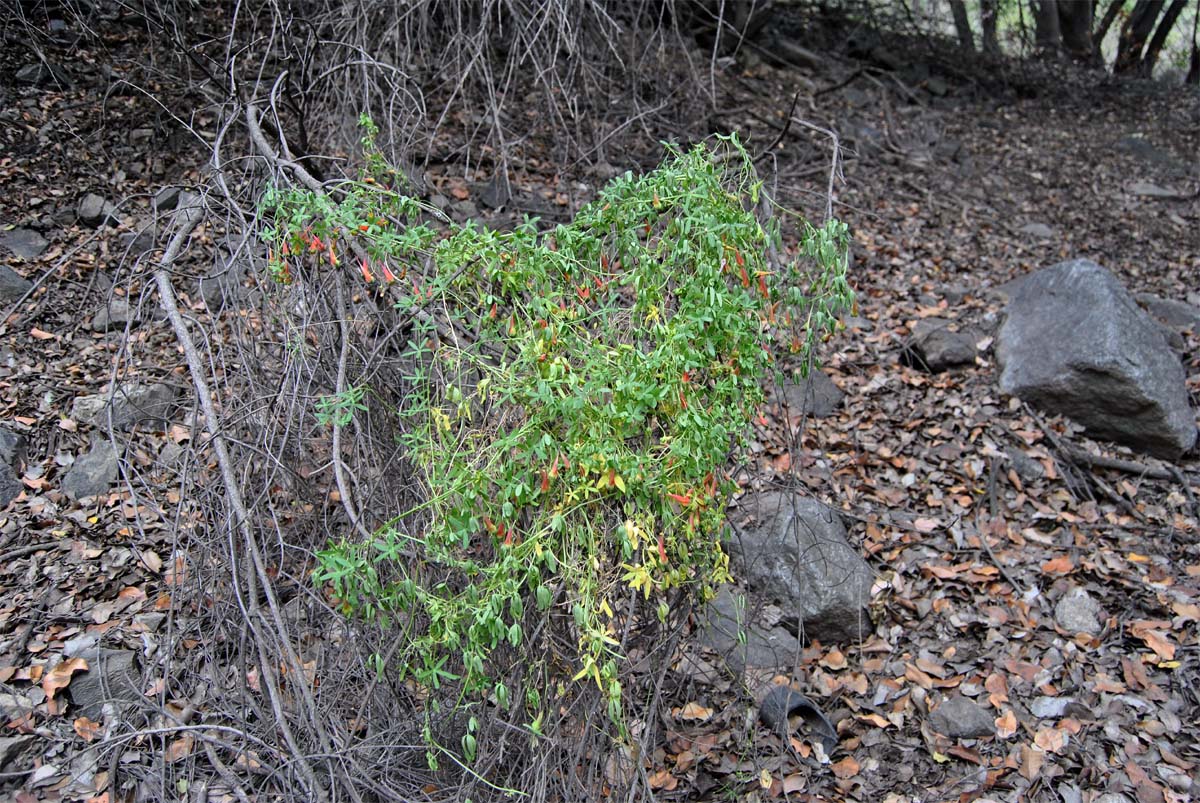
941	758
764	779
620	483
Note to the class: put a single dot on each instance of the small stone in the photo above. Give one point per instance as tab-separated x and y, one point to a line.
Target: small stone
1077	612
1039	230
93	473
13	750
12	448
464	210
12	285
10	486
94	210
1026	467
132	403
955	295
959	718
167	199
814	395
935	347
24	243
112	679
41	74
114	315
137	242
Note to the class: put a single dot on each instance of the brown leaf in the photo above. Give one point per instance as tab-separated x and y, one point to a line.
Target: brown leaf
1032	759
87	729
1006	724
1059	565
848	767
664	780
1051	740
794	783
1146	790
180	748
39	334
966	754
59	677
694	712
918	677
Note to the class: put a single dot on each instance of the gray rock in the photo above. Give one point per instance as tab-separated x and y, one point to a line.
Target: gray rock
1151	190
15	752
935	347
12	448
724	622
495	193
132	403
815	395
94	210
955	294
92	473
168	198
1039	230
1078	612
223	284
138	242
464	210
1074	342
24	243
959	718
12	285
1026	467
794	551
860	323
114	315
41	73
112	678
10	485
1175	314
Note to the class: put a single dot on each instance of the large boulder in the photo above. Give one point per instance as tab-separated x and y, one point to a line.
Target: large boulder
728	626
814	395
1075	342
132	403
793	550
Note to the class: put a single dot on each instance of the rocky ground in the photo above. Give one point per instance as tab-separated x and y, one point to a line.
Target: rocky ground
1035	627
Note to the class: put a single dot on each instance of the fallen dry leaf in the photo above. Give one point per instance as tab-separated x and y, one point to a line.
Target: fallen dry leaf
86	728
848	767
59	677
694	712
1006	725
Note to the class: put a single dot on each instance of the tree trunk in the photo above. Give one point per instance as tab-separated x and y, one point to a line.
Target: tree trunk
1047	34
1193	76
1110	14
962	25
1134	34
988	10
1160	37
1075	20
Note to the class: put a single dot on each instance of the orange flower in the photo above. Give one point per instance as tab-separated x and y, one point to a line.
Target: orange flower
366	272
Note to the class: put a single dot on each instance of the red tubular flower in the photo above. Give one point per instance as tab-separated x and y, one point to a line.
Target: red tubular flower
366	272
388	276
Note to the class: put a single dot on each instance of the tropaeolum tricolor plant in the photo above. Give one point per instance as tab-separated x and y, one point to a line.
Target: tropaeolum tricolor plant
575	444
